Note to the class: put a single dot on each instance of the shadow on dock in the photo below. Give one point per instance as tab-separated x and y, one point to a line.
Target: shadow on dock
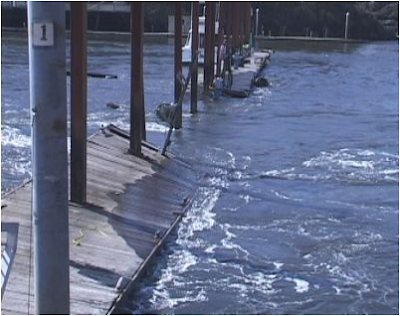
133	206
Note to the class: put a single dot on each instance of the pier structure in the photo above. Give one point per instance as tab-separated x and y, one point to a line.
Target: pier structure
81	249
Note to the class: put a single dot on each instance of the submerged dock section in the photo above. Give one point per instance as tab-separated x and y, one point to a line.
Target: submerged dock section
132	206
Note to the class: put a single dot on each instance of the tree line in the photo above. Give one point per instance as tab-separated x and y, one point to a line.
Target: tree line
374	20
368	20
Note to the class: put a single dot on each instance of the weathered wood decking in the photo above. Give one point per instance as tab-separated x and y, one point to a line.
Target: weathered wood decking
133	204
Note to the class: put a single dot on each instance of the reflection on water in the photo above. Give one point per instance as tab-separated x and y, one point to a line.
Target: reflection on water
297	206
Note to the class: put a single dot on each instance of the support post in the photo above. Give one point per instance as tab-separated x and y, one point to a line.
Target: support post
48	102
208	46
235	26
242	20
346	27
137	119
195	47
78	166
178	61
212	36
247	21
229	11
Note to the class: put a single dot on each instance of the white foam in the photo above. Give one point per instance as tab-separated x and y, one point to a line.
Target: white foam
218	182
261	282
228	241
232	159
201	216
247	198
366	153
278	172
280	195
183	260
278	265
390	172
163	300
301	286
285	197
211	249
302	231
13	137
356	164
231	209
155	127
340	258
338	290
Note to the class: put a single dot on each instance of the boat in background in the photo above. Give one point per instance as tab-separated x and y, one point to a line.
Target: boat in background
187	48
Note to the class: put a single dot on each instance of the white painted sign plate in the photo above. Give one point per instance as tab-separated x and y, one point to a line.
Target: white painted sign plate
43	33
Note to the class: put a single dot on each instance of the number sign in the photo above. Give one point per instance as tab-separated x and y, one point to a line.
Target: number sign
43	33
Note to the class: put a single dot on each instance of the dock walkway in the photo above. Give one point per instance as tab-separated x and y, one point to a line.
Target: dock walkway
242	76
132	206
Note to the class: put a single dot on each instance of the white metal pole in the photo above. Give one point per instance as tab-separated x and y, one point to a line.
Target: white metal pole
346	28
256	30
47	71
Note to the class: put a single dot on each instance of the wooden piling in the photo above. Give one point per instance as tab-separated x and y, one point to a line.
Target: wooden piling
235	26
242	11
137	119
228	18
208	46
195	47
247	21
212	36
78	101
178	61
229	28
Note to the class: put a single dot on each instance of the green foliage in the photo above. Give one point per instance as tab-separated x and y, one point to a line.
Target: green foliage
368	20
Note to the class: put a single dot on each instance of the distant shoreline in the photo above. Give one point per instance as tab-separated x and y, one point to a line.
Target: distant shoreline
309	39
97	34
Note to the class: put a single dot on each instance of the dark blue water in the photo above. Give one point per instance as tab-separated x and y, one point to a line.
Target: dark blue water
297	210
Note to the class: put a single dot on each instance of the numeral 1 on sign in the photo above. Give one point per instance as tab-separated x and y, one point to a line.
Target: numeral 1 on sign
43	33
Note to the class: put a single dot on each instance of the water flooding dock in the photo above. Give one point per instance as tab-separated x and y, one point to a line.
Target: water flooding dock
124	198
133	204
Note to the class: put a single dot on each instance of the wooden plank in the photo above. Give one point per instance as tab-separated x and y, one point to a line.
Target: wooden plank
132	205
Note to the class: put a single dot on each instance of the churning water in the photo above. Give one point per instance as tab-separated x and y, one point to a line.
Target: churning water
297	210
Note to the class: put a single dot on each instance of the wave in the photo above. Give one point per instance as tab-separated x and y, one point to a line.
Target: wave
354	166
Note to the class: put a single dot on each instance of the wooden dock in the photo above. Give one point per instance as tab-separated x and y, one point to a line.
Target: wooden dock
242	76
133	205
